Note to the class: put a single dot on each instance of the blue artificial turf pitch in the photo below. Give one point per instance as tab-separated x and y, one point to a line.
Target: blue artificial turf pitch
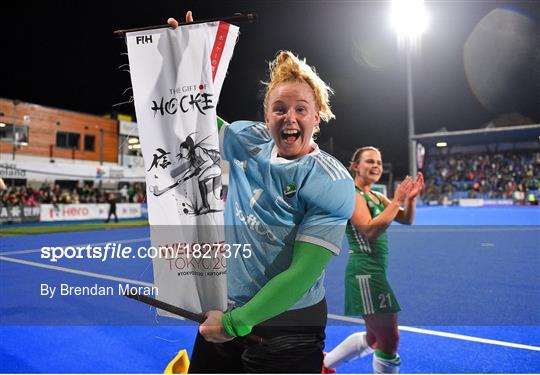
471	272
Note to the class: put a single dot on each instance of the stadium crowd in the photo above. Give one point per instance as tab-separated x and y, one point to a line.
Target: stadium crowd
504	175
47	194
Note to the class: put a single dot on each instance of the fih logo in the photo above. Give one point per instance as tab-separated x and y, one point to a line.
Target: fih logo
143	39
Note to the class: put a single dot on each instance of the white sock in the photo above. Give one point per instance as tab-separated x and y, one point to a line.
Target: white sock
351	348
386	366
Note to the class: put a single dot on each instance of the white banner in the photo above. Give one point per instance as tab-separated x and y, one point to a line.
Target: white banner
87	211
498	202
177	77
471	202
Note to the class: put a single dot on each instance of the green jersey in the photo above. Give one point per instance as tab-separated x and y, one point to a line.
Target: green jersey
367	290
358	244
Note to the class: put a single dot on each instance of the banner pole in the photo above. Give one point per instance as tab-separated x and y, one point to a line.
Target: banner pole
250	17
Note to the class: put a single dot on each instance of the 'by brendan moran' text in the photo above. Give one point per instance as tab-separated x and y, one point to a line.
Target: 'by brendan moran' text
52	291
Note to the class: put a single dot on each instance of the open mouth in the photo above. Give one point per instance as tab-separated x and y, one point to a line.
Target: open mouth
290	135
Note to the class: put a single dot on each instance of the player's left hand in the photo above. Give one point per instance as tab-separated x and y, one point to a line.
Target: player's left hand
212	329
417	187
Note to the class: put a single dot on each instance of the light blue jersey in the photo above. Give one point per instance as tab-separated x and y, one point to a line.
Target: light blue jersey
273	202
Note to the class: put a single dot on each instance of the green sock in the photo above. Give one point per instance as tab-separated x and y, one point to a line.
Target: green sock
384	355
385	363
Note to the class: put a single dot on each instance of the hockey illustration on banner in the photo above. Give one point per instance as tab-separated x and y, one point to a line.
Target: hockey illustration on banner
195	160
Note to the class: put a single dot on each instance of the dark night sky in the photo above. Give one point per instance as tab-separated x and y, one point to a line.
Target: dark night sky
63	54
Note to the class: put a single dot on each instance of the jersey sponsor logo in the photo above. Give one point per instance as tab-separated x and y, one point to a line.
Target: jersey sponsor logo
290	190
253	223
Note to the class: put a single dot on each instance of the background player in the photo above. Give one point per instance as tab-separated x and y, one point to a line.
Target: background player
367	290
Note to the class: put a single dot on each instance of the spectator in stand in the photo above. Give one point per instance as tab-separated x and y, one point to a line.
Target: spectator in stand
124	194
75	197
28	199
14	199
138	198
4	201
65	198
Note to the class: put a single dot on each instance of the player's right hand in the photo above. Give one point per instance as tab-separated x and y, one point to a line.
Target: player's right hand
212	329
174	23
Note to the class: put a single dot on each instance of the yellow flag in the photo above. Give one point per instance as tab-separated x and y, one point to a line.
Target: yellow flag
179	365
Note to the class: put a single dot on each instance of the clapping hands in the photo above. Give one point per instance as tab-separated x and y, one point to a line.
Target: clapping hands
409	189
417	186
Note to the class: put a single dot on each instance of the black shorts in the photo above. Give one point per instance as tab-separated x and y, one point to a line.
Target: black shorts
294	344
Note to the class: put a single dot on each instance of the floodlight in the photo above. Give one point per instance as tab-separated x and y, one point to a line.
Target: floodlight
409	18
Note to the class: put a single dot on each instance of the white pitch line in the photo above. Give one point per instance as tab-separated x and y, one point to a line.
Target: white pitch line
77	272
487	244
444	334
29	251
331	316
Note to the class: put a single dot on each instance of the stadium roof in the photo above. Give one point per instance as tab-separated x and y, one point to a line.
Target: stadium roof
507	134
